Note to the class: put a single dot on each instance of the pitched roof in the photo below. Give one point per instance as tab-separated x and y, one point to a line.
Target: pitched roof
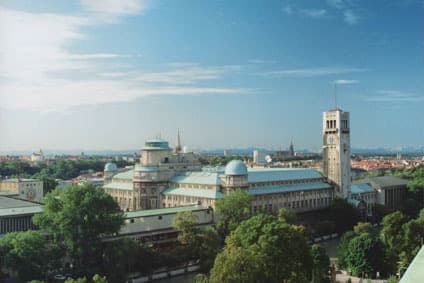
361	188
281	174
203	178
385	181
202	193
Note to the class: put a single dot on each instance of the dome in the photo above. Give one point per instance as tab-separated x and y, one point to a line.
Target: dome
110	167
236	167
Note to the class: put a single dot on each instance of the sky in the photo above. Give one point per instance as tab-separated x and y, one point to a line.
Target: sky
105	74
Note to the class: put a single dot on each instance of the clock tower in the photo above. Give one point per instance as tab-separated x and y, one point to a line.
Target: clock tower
336	151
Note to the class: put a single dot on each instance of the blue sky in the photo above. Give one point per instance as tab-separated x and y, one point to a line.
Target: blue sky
104	74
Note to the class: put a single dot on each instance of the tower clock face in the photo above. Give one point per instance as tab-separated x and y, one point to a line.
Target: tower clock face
330	140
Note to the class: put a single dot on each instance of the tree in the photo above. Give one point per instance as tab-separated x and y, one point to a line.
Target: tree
123	256
342	249
28	253
378	212
200	278
237	264
320	263
49	184
80	216
344	215
267	246
185	223
287	215
392	233
233	209
365	255
363	227
202	244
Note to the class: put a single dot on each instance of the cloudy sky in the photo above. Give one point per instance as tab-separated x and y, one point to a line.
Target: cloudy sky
106	74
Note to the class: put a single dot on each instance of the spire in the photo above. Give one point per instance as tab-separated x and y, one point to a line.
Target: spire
291	148
178	146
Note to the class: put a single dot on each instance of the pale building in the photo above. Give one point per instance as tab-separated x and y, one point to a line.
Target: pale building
336	150
259	157
29	189
16	215
37	156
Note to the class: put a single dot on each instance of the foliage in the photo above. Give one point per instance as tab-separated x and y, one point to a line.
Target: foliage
95	279
392	279
344	215
365	255
233	209
320	263
363	227
28	253
49	184
200	278
378	212
59	169
202	244
79	216
287	216
342	249
123	256
392	232
264	249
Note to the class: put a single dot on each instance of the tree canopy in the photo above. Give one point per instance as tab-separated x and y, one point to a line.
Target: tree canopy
233	209
78	217
264	249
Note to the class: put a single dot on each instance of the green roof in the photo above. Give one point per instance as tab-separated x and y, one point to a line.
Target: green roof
146	168
119	186
203	178
361	188
127	175
289	188
415	271
201	193
161	211
256	175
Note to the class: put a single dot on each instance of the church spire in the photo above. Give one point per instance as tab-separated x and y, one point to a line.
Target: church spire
178	146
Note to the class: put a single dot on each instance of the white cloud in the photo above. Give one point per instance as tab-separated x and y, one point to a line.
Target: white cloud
39	72
350	17
345	82
314	13
313	72
288	10
115	7
394	96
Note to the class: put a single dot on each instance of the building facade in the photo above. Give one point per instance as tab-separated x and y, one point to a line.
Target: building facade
16	215
165	178
29	189
336	151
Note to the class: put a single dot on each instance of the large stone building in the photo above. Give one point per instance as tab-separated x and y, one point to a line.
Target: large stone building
164	178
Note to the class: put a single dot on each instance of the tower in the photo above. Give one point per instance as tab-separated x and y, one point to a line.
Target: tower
178	147
336	150
291	148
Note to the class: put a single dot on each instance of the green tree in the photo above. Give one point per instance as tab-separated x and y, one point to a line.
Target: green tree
392	232
320	263
200	278
274	249
185	222
287	215
80	216
233	209
49	184
344	215
365	255
209	246
363	227
342	249
29	253
236	265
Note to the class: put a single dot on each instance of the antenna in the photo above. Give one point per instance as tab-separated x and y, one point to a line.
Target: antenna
335	94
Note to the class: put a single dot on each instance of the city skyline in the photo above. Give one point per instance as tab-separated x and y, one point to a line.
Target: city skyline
109	75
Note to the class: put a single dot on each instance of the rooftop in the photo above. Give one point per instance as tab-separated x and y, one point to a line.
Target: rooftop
11	206
162	211
257	175
385	181
201	193
361	188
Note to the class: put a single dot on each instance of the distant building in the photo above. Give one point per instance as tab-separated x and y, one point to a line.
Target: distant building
227	153
29	189
16	215
259	157
291	148
37	156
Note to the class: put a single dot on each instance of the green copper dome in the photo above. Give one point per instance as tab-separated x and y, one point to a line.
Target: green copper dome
110	167
236	167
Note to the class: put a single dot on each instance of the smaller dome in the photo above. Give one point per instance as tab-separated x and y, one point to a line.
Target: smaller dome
236	167
110	167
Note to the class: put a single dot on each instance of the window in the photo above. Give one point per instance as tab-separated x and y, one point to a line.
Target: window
132	220
160	217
